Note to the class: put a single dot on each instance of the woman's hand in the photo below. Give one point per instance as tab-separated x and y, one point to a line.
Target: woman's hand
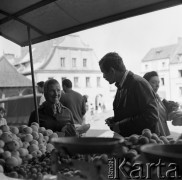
176	117
171	105
175	114
69	130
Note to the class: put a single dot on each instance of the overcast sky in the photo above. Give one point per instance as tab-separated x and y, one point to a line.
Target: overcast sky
132	38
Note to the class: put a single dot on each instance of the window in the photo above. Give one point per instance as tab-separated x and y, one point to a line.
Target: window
146	66
179	56
98	81
162	81
75	82
158	51
180	73
84	62
73	62
87	81
163	64
180	91
62	61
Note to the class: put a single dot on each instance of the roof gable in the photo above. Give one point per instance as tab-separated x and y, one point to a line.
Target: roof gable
160	53
73	41
172	52
9	76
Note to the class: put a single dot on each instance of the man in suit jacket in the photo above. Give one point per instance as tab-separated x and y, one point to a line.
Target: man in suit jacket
134	106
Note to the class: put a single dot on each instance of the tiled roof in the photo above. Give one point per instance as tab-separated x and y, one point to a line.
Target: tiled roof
160	53
40	52
43	52
172	52
177	55
9	77
73	41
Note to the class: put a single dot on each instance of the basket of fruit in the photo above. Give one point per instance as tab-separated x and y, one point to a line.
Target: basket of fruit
86	145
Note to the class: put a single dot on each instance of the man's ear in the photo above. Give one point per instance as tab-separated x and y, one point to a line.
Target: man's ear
112	70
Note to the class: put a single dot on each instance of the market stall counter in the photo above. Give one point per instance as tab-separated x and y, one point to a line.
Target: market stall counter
37	153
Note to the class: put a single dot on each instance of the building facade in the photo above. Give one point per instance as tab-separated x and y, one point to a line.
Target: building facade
68	57
167	61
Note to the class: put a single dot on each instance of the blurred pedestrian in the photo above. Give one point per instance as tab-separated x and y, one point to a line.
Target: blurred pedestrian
40	88
76	103
2	119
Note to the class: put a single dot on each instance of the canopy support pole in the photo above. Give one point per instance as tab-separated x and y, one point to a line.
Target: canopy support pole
32	72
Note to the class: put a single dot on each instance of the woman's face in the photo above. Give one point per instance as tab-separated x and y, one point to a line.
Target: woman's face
54	93
154	82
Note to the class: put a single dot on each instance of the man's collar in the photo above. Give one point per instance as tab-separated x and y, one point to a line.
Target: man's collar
120	84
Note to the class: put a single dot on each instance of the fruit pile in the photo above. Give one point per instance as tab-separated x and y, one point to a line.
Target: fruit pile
130	149
23	146
27	153
78	165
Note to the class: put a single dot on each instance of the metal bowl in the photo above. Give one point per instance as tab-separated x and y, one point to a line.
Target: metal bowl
165	153
86	145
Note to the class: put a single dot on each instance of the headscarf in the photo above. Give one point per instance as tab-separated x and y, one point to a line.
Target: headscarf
56	108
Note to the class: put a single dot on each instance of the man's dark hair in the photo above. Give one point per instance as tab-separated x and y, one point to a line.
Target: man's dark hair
149	75
67	83
113	60
40	84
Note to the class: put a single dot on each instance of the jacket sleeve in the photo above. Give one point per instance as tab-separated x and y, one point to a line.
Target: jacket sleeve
83	107
147	116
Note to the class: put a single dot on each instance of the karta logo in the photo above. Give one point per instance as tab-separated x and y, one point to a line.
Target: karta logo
118	168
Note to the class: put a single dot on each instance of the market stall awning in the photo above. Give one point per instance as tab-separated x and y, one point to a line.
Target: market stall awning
48	19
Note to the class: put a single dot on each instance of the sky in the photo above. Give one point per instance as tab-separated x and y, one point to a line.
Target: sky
132	38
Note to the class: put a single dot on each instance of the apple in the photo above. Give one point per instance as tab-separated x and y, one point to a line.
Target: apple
5	128
14	129
13	145
6	137
12	161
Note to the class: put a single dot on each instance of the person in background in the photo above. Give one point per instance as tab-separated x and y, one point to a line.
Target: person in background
166	108
52	114
86	102
76	103
2	119
40	88
135	106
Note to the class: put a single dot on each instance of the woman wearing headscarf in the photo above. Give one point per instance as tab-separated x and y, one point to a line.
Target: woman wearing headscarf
52	114
166	108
